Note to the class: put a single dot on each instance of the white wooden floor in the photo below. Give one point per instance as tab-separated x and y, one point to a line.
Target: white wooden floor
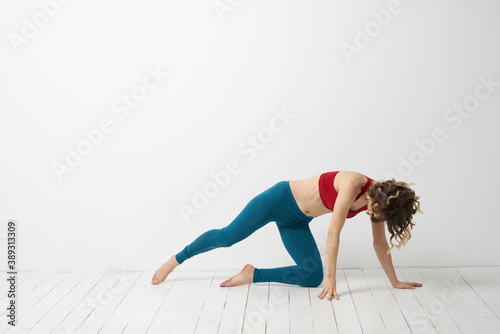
452	300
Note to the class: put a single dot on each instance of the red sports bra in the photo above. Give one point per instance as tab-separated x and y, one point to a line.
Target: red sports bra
328	193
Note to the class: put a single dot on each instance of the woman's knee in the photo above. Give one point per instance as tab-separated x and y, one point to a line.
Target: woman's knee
315	279
313	271
225	239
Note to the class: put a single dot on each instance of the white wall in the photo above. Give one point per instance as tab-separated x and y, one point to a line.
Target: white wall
228	73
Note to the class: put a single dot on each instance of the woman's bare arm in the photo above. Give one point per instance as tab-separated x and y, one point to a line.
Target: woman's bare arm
381	247
345	198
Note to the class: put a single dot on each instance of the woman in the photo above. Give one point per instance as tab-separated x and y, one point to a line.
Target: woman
292	205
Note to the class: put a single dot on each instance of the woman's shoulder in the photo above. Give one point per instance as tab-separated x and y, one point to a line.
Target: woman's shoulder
350	178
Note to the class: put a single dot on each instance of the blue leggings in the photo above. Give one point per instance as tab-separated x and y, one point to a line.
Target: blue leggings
274	204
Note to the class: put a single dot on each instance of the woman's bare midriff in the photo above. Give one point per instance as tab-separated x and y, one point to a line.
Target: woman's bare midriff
306	194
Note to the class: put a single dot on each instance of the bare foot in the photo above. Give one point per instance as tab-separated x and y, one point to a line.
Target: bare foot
161	274
243	277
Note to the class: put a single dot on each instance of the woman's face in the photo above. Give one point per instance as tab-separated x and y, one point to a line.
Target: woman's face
370	202
369	210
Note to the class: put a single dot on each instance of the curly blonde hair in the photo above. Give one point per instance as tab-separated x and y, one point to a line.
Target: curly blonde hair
396	203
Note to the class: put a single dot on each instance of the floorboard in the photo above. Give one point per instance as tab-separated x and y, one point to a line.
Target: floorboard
452	300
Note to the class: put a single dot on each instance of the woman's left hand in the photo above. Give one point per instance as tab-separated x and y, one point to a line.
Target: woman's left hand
329	289
406	285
